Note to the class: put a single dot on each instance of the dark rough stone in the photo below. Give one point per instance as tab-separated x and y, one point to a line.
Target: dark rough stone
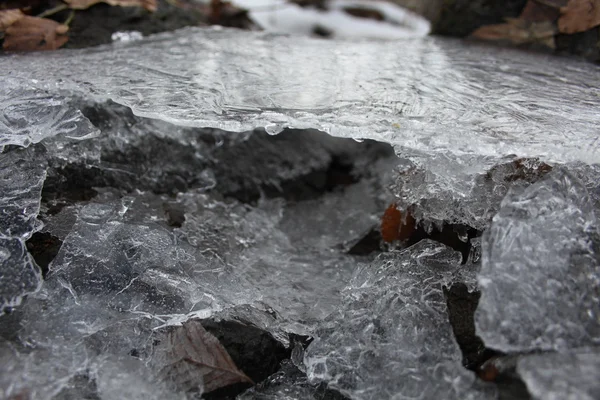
584	44
253	350
96	25
461	17
43	247
461	310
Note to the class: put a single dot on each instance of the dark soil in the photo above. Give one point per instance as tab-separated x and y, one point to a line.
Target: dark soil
96	25
461	17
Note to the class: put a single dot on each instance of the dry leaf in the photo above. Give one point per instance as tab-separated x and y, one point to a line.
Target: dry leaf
536	11
32	33
394	226
191	357
579	16
519	32
9	17
150	5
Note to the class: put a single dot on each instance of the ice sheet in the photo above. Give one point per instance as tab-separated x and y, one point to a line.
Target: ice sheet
434	95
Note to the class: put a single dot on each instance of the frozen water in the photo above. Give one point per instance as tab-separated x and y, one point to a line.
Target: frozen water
22	175
455	109
161	222
132	262
540	276
23	102
442	188
288	383
555	376
438	96
392	337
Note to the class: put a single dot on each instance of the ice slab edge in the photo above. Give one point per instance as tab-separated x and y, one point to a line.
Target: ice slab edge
427	94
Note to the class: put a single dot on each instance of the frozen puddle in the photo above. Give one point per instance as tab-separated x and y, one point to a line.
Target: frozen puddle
198	214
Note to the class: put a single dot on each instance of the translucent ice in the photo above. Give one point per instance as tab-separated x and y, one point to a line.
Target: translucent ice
434	95
454	109
540	276
133	262
22	175
161	221
557	376
28	114
392	337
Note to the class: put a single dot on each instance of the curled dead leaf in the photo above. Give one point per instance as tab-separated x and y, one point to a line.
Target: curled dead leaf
9	17
33	33
488	371
150	5
192	358
518	31
395	226
579	16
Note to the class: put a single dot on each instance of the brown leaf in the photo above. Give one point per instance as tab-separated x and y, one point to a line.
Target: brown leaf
395	226
519	32
150	5
191	357
535	11
579	16
33	33
9	17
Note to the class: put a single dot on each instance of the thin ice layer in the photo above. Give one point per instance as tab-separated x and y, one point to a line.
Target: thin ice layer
29	114
540	274
429	94
562	376
462	190
392	339
22	175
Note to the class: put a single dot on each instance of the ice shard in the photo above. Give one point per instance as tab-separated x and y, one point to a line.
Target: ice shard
22	175
392	337
540	269
556	376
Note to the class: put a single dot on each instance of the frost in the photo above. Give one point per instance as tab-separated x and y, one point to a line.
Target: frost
392	338
540	271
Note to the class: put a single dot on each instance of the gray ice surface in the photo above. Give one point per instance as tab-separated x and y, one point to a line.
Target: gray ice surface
161	221
562	376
